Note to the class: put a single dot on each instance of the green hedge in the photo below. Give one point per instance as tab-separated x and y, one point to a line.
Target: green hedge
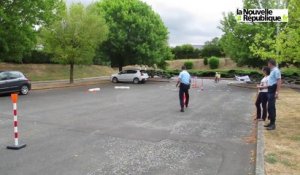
189	64
214	62
255	75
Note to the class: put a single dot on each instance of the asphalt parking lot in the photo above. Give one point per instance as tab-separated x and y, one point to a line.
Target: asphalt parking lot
130	131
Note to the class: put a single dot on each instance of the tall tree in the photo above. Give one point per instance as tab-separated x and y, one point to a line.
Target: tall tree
237	39
251	43
185	51
137	34
74	39
266	41
288	41
212	48
18	22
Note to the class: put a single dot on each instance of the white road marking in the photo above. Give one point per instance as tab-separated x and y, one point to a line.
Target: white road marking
122	87
94	89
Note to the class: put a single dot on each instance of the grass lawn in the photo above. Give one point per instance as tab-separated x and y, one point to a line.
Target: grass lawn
282	154
225	63
42	72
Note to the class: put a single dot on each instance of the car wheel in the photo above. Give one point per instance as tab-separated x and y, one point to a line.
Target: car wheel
136	81
24	90
115	80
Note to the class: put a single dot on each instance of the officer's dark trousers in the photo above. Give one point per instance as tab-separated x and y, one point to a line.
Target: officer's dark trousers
272	103
184	89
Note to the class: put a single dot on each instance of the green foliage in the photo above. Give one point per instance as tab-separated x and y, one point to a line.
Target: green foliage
101	58
212	48
264	42
205	61
17	25
137	34
255	75
252	44
279	41
189	64
185	51
214	62
37	57
287	42
74	39
162	64
237	39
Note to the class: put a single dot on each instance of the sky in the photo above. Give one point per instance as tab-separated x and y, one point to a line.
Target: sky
190	21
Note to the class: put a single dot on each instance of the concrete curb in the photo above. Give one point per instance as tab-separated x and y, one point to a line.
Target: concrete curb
260	162
76	80
252	86
65	85
56	84
159	80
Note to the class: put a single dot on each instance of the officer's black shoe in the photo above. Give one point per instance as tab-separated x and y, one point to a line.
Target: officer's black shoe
268	125
272	127
181	110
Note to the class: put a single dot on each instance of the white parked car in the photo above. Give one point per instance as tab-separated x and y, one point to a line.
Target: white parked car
131	75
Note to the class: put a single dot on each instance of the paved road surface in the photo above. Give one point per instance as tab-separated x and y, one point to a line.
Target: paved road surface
136	131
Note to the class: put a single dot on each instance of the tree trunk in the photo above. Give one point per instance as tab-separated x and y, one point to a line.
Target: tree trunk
71	73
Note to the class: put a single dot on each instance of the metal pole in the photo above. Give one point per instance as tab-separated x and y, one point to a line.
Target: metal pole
16	145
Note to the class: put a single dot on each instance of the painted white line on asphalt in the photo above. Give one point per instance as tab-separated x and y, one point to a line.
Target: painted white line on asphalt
122	87
94	89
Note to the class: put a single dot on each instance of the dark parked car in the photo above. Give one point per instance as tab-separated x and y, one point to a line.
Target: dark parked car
14	81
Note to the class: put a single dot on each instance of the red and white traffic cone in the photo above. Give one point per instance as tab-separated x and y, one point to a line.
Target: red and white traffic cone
16	146
194	82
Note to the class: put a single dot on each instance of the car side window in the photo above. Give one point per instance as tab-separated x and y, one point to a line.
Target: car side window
123	72
131	71
14	75
3	76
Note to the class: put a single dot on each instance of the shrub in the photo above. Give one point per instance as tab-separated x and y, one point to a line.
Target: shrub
214	62
189	64
162	64
205	61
